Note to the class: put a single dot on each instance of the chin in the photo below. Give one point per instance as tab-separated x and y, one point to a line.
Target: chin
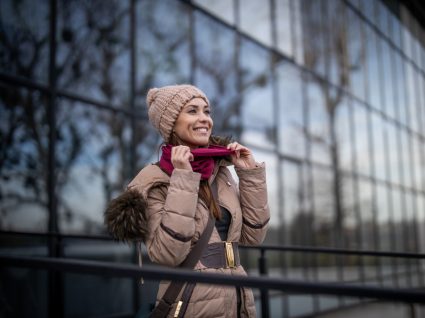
203	142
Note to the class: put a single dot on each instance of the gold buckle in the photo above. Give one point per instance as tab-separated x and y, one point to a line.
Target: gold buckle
179	305
230	256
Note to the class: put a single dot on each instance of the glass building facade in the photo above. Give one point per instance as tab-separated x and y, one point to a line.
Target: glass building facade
329	93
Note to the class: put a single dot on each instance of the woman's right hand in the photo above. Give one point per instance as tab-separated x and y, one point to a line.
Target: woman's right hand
181	157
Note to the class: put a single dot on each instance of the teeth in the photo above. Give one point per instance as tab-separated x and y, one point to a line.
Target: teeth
202	129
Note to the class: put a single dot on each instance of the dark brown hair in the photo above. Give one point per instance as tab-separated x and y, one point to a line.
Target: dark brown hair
205	194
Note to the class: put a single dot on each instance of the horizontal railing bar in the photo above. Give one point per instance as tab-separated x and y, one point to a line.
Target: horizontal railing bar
151	272
287	248
65	236
331	250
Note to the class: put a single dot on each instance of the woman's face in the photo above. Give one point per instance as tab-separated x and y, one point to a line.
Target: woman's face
194	124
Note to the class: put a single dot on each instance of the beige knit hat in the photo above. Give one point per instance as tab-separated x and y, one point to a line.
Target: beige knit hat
165	104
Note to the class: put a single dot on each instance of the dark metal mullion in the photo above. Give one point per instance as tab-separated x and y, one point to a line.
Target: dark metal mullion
55	278
133	142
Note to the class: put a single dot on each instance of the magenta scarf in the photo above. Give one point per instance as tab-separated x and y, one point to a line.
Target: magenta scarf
203	159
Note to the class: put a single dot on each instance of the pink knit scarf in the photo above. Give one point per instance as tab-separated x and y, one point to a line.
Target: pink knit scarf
203	159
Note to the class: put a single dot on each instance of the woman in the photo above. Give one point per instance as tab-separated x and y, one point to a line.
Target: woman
176	200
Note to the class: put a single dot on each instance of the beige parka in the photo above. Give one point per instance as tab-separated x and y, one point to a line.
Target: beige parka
176	219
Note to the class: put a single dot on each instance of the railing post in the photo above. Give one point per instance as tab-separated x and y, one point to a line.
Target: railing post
264	293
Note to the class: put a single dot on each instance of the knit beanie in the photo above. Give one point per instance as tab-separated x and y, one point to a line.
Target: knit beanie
165	104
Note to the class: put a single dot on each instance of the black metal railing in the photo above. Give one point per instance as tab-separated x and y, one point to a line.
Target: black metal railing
263	283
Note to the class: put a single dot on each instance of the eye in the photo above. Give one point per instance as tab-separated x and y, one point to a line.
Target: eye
192	111
207	111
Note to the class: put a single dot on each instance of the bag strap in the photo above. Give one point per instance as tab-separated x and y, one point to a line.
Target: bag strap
173	290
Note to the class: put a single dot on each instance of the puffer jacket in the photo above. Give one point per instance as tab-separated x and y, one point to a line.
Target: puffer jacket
176	219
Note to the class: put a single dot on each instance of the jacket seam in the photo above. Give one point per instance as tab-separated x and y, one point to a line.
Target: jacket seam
257	225
175	235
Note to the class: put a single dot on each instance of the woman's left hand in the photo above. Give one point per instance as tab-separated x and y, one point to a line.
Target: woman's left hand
242	157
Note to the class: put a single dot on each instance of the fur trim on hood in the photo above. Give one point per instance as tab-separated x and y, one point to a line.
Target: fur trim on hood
125	217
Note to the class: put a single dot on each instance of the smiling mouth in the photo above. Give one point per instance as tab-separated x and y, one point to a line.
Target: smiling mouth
202	130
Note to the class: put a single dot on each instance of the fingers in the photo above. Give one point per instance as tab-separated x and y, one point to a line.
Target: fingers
238	149
181	157
242	156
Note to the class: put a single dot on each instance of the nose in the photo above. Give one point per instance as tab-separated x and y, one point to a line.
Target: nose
204	117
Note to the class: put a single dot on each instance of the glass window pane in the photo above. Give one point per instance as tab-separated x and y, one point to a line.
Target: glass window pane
367	7
386	79
379	153
318	121
409	93
298	214
410	226
418	166
291	186
291	127
373	70
406	163
383	218
366	212
344	135
361	139
313	36
223	9
24	39
91	164
350	212
298	31
399	92
405	36
393	149
356	54
24	165
324	205
93	54
257	102
421	221
336	34
398	219
255	20
285	30
215	73
383	17
396	29
420	86
170	36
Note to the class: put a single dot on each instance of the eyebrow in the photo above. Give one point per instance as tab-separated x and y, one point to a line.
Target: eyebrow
197	106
